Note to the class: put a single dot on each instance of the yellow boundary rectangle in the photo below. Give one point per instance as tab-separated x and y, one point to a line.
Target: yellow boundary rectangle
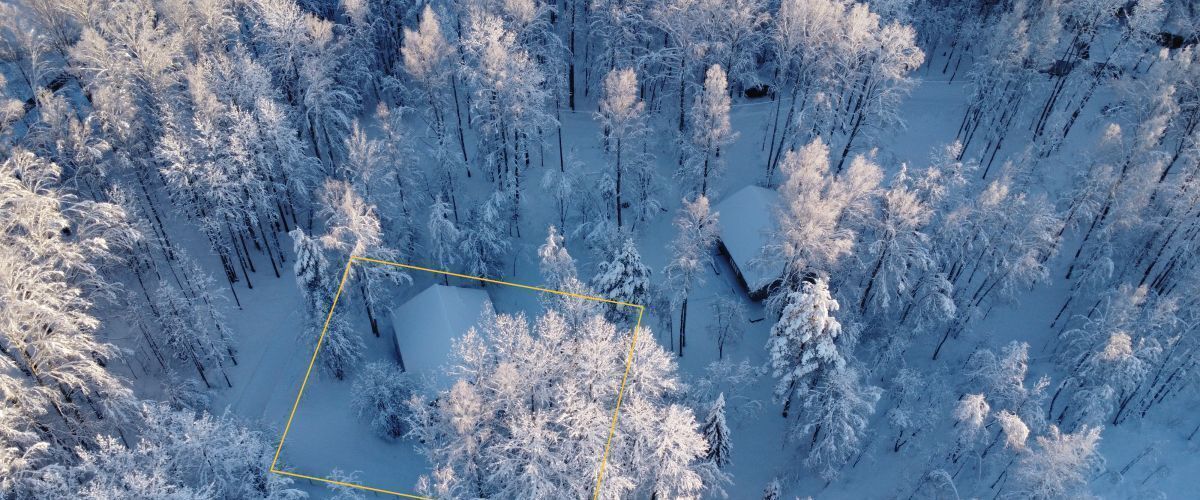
346	272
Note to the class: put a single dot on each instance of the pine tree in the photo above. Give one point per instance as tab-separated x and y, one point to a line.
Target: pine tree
341	347
802	345
312	275
443	236
556	265
624	278
717	434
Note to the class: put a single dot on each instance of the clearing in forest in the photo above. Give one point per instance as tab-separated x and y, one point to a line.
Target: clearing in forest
369	261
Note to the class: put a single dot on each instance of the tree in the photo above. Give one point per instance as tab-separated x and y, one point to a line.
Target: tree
312	275
1061	464
443	235
189	333
328	105
520	421
802	344
380	395
354	231
179	454
690	252
727	326
509	97
53	247
341	348
814	214
716	433
624	278
837	411
901	249
482	243
710	129
623	124
556	265
873	62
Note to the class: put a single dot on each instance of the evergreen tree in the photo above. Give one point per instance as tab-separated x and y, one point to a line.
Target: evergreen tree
556	265
624	278
717	434
312	275
443	236
802	345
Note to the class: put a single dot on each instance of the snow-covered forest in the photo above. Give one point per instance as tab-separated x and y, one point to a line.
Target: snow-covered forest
890	249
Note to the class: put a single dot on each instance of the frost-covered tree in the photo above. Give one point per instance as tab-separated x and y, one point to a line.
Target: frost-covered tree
898	245
918	405
994	246
380	395
341	347
802	345
621	115
188	333
873	62
716	433
312	275
772	491
354	231
443	235
483	242
710	131
508	97
1061	464
1002	376
520	422
328	103
556	265
1111	354
179	454
814	215
53	247
837	410
691	251
624	278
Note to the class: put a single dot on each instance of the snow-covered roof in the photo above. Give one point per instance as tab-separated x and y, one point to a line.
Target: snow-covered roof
425	326
746	220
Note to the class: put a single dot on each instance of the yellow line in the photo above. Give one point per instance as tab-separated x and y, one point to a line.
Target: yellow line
350	485
489	280
620	395
296	404
616	411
